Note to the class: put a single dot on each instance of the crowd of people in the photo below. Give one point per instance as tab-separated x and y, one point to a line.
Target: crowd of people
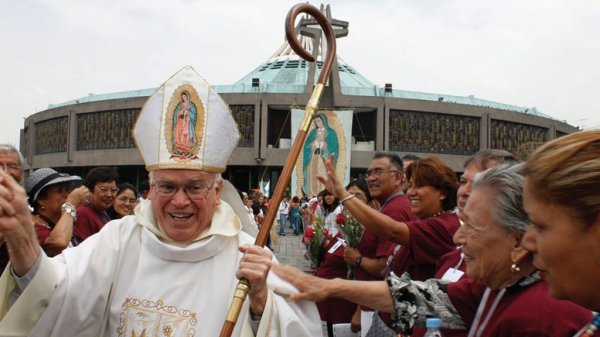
507	248
67	209
522	261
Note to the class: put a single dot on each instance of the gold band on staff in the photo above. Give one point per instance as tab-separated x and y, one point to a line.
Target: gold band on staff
312	107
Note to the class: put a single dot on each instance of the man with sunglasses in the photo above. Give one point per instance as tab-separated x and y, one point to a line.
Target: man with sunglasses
91	215
172	268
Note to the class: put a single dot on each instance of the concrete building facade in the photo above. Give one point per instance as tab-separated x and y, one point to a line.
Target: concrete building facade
95	130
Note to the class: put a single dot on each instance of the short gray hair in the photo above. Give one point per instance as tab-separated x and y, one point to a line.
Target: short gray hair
508	181
9	148
486	157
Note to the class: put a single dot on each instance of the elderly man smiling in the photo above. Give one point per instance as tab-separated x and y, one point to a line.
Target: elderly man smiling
171	269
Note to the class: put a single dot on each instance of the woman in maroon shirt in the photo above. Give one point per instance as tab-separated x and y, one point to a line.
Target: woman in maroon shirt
563	203
54	202
336	310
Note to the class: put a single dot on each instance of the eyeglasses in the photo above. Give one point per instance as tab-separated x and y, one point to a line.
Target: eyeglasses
106	190
376	173
194	190
10	167
125	200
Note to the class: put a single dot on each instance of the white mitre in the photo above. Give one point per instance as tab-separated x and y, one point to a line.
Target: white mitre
185	124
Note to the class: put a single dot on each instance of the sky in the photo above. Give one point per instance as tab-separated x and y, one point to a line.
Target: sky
542	54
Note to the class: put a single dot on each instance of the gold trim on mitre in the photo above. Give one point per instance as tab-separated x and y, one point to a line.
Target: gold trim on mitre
185	166
185	124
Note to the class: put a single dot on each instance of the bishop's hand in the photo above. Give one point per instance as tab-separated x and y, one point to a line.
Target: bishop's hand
254	267
16	225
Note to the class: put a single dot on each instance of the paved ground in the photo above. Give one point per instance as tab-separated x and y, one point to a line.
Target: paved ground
289	249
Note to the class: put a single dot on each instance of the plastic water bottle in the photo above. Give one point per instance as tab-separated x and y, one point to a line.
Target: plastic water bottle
433	326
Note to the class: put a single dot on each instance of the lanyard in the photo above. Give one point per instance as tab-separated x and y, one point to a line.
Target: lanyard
477	328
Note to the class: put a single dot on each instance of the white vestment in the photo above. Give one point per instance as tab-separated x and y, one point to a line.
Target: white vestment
125	281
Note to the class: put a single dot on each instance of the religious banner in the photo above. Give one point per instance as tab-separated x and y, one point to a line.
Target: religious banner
329	133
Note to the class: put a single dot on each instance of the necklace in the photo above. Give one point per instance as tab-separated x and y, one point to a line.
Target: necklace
441	213
591	328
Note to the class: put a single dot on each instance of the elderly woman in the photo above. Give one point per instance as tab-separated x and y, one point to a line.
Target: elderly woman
54	204
563	201
511	300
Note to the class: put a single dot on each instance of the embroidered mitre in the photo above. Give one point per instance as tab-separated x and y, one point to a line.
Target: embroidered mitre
185	124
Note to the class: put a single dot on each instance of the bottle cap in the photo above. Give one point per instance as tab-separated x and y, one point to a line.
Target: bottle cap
433	323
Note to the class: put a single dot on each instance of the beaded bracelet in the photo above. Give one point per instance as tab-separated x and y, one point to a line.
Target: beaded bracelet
347	198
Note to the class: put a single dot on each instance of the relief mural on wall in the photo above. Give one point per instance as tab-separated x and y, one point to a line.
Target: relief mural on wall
51	135
244	117
519	139
106	129
423	132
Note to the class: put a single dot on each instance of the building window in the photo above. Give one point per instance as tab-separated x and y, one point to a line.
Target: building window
425	132
106	129
244	117
51	135
520	139
560	134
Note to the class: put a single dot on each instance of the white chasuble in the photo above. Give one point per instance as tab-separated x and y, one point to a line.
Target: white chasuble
126	282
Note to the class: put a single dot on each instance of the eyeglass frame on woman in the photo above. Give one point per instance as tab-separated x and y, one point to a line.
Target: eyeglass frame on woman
125	200
376	173
199	195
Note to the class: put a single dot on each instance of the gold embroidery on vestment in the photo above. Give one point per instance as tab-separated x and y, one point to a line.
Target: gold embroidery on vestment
146	318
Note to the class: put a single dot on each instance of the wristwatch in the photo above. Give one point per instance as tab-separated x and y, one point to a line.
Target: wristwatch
69	209
358	261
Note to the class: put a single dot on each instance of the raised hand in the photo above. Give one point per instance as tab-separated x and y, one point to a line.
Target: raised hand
16	225
331	182
14	211
78	195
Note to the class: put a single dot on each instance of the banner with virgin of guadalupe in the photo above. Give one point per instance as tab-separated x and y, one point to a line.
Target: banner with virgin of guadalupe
329	133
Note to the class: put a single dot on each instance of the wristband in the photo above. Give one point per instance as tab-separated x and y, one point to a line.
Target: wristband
358	260
347	198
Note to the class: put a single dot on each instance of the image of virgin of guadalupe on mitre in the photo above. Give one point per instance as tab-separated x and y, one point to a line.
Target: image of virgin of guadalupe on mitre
185	124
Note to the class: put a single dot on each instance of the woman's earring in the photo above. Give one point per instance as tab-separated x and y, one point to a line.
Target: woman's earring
514	268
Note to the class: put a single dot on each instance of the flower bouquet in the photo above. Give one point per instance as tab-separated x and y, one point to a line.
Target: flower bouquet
352	231
314	239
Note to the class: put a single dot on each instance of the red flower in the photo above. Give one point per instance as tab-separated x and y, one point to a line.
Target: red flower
309	232
340	219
